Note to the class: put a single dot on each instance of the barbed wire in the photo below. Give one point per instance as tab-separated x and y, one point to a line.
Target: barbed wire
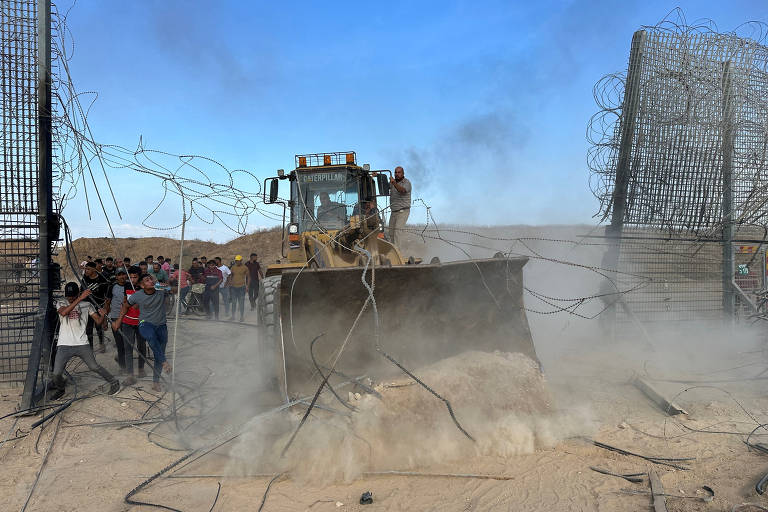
433	231
209	192
676	154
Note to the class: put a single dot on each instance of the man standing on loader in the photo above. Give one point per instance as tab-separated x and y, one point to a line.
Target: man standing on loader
399	204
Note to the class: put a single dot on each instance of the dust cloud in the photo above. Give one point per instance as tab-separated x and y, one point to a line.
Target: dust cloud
500	398
511	404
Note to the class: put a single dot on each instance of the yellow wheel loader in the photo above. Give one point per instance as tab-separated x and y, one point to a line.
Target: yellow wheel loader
344	295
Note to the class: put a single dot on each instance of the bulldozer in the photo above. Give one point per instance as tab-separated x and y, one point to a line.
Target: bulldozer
343	295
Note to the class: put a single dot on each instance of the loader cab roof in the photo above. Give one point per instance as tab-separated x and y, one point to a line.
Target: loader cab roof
326	189
314	160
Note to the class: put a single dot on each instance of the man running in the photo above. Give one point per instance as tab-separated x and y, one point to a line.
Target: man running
152	323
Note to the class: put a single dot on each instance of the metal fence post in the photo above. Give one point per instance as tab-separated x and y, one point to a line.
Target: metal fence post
729	298
629	113
45	198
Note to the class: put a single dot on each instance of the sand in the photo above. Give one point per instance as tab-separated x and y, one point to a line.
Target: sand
499	399
526	435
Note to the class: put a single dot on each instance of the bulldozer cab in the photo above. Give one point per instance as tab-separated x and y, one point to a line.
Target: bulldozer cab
327	190
324	200
330	196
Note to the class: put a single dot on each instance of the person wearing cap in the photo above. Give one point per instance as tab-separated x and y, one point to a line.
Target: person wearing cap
238	281
74	311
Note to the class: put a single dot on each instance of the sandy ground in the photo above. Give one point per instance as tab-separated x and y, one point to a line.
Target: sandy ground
92	467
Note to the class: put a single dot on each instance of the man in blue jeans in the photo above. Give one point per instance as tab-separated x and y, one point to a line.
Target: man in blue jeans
224	286
152	324
238	281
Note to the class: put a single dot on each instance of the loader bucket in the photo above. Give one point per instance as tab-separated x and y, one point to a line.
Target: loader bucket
425	313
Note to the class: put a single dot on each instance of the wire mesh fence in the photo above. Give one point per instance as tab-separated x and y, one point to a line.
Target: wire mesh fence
676	279
680	141
696	91
673	279
19	249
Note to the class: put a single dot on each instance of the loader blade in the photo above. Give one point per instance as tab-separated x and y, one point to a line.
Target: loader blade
425	313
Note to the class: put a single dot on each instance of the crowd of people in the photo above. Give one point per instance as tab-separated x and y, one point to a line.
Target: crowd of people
129	299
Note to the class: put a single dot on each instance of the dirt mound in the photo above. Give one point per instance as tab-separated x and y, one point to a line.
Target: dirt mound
499	398
504	382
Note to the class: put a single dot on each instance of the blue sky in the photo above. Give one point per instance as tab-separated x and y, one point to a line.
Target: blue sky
485	104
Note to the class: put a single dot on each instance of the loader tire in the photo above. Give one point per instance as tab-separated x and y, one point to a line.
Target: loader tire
269	306
269	321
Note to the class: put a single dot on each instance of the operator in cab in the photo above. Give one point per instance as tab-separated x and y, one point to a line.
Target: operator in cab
329	211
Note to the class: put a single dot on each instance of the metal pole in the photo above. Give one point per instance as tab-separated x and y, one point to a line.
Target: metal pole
729	301
178	306
44	198
629	113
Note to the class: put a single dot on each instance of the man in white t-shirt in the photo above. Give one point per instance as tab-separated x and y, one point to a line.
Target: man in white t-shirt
224	286
74	312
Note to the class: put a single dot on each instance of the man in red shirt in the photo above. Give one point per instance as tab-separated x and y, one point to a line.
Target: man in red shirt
213	279
253	280
181	279
129	326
